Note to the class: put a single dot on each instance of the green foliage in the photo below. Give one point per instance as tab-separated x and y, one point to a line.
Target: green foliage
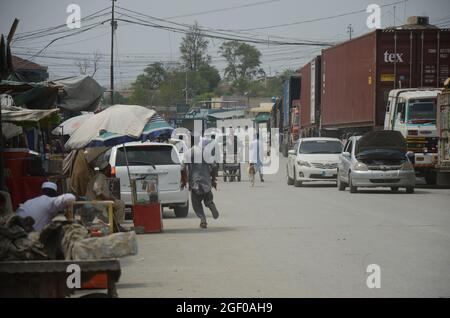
243	61
193	49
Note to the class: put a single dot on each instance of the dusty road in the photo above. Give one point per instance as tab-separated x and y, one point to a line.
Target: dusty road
275	240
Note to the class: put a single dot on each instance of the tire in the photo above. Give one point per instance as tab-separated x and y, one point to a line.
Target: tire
394	189
353	189
409	189
290	181
297	183
239	178
341	185
431	178
181	211
224	178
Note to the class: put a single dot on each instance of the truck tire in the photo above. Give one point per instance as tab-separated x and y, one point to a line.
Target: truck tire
409	189
353	189
181	211
394	189
431	178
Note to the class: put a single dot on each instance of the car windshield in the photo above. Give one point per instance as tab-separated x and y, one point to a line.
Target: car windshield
420	112
147	156
320	146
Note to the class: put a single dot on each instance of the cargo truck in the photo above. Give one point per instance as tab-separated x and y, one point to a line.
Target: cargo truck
291	93
359	77
443	129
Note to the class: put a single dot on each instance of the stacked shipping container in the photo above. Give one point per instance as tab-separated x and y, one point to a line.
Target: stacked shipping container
352	82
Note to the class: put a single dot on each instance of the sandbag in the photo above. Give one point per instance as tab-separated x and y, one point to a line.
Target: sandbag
111	246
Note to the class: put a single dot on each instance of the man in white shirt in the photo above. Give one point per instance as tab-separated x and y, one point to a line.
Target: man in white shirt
256	155
45	207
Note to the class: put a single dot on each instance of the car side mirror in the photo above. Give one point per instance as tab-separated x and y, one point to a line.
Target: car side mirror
291	152
346	154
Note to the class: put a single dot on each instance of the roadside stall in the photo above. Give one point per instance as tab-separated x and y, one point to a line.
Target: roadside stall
25	169
118	125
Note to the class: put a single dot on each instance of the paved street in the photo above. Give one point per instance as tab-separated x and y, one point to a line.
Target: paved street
275	240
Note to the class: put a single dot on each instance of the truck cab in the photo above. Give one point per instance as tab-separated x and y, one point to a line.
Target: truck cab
412	112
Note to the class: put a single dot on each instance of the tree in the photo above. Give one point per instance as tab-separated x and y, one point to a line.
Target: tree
85	64
193	48
243	61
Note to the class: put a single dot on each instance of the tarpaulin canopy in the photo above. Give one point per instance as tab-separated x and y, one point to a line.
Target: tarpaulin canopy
41	95
19	115
227	114
79	93
262	117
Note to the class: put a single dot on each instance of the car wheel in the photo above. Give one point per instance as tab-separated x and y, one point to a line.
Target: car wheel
394	189
353	189
290	181
297	183
409	189
340	184
181	211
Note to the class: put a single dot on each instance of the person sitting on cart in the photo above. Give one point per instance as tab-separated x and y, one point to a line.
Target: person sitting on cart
98	189
202	179
46	206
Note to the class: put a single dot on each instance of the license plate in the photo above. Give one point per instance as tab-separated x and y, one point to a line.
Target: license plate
327	173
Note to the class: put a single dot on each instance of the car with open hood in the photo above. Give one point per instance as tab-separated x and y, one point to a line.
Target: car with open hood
376	159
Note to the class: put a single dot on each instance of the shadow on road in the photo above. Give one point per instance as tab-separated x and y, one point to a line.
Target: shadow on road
318	185
400	192
211	228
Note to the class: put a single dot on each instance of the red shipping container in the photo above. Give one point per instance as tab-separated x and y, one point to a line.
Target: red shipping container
148	216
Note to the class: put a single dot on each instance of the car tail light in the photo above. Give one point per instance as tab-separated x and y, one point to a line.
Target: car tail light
113	172
413	132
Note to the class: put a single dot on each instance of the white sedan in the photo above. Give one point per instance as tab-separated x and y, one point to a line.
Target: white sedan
313	159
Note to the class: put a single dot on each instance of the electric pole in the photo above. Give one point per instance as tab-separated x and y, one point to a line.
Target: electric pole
113	28
350	30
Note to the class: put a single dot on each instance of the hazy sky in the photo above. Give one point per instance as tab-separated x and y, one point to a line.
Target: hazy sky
138	45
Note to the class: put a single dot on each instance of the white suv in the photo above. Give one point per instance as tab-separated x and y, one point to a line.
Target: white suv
151	158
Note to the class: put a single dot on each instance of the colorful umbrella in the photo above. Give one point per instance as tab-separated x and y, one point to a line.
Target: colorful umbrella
154	129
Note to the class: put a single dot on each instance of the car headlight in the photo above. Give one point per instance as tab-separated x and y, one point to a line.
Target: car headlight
303	163
407	166
359	166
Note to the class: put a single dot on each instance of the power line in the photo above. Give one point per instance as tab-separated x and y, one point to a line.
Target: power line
312	20
223	9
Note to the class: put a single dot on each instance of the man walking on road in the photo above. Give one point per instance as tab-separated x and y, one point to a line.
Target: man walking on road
256	154
202	179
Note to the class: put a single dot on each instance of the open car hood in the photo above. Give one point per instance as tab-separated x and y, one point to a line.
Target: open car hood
377	141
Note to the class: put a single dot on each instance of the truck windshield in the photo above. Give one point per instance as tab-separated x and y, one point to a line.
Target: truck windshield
320	146
420	112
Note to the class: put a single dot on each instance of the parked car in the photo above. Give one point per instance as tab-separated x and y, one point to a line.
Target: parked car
151	158
313	159
376	159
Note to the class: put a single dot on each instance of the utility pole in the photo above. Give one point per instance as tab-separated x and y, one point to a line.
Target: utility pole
186	89
350	30
113	28
394	16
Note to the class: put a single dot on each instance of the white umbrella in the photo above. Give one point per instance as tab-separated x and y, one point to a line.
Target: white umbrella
128	120
69	126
